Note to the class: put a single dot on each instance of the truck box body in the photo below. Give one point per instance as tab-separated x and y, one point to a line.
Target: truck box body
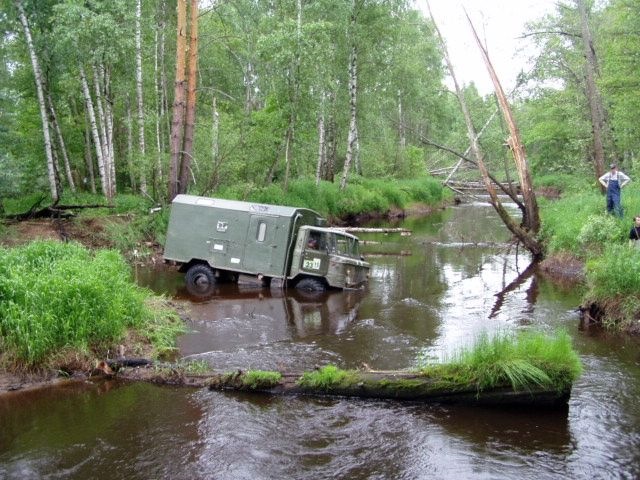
235	236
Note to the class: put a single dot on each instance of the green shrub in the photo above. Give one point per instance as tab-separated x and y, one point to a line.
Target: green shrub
601	230
56	295
615	273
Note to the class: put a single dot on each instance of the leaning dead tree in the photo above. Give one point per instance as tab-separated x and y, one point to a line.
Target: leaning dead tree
527	229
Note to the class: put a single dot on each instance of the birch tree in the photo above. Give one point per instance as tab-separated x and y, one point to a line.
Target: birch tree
140	97
37	73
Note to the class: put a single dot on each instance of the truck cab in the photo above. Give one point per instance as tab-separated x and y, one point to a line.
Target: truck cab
327	257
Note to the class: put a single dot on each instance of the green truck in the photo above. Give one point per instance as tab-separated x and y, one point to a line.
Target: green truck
215	240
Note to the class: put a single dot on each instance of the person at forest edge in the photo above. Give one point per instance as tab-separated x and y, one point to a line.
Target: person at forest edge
613	181
634	234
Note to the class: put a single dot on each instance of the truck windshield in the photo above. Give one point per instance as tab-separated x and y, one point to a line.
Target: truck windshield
347	246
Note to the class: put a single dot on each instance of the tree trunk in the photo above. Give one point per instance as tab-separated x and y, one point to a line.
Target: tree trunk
531	220
140	98
215	144
322	148
102	130
596	108
88	158
177	123
95	134
527	238
159	79
129	126
352	137
63	147
53	186
190	117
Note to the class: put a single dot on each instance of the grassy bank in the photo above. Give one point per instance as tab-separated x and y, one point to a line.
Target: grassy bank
578	226
60	303
129	226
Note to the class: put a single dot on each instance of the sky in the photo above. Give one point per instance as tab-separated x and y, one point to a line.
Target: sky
499	23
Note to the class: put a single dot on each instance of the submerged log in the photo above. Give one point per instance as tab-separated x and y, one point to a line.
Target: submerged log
405	386
392	385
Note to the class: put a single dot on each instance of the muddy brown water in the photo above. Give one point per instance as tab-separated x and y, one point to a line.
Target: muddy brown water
419	305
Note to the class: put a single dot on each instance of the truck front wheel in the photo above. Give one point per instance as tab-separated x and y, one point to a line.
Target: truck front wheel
311	285
200	276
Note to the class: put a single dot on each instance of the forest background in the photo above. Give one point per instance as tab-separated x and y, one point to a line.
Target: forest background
290	91
341	106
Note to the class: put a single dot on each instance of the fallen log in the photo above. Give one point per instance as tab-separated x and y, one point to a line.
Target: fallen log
392	385
395	385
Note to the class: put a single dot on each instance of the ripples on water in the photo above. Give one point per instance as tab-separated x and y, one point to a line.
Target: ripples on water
429	303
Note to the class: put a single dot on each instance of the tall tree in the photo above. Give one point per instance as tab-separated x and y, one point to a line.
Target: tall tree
177	124
140	96
39	81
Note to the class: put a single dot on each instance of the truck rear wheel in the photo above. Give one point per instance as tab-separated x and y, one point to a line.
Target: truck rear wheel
200	276
311	285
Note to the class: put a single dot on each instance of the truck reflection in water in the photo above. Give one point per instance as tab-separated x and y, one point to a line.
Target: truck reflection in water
234	316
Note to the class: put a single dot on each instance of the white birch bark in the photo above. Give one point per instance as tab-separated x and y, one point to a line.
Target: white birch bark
88	157
322	150
63	147
102	130
94	132
139	97
37	73
352	138
129	126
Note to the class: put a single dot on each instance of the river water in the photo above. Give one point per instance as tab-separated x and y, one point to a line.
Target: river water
429	293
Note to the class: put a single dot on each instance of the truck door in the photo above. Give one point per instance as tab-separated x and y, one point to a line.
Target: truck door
262	246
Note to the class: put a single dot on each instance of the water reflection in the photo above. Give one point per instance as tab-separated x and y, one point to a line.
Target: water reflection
86	431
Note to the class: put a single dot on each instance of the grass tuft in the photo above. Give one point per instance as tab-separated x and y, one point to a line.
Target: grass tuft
523	360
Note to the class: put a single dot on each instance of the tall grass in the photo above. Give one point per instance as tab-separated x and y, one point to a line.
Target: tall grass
60	295
522	360
361	195
613	281
578	223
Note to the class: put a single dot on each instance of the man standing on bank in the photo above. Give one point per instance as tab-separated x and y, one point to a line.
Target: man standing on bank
613	181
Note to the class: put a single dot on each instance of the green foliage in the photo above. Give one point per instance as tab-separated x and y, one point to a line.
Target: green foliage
362	195
55	295
127	236
523	360
257	379
562	220
615	273
563	182
600	230
324	378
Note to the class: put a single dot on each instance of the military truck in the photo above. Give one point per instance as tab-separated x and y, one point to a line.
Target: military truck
215	240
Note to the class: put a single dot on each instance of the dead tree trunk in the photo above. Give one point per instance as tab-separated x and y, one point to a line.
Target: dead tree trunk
177	124
523	235
596	109
190	115
531	218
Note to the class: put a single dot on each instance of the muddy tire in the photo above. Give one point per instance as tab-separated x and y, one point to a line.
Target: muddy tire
311	285
200	277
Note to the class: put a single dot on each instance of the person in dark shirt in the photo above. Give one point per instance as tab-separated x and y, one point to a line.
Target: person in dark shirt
634	233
